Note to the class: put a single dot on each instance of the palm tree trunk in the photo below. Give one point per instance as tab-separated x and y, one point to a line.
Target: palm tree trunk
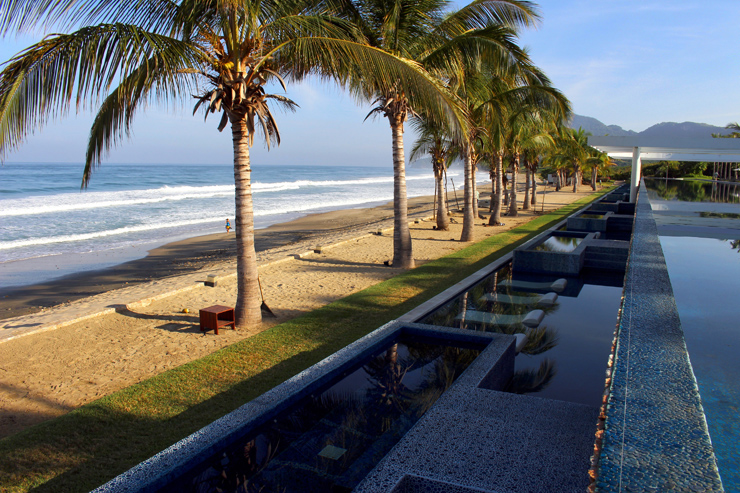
534	188
443	222
495	219
492	176
403	255
473	169
525	205
468	218
505	195
594	175
247	310
576	177
512	195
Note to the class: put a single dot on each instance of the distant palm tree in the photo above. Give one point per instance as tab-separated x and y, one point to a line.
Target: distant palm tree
528	112
573	149
433	141
598	162
127	55
537	148
519	99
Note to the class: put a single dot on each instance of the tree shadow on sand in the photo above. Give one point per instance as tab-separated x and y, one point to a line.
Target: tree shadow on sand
175	323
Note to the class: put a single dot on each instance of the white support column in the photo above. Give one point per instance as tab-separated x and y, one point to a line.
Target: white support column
636	170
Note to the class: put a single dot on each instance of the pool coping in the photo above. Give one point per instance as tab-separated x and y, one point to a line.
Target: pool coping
655	435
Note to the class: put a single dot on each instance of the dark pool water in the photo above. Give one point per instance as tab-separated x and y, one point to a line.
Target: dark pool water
330	440
558	244
568	353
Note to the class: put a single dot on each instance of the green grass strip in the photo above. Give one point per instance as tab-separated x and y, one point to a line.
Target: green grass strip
90	445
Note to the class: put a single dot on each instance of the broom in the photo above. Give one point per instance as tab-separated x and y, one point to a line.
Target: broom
264	306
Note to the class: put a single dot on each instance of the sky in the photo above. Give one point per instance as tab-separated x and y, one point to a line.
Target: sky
632	63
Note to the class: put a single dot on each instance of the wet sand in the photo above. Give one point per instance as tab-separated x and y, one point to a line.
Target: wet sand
202	252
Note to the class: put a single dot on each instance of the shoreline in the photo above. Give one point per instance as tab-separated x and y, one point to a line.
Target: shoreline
203	252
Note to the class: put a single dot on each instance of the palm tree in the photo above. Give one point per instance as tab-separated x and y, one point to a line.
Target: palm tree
597	162
536	150
517	115
535	139
127	55
558	163
433	141
573	148
443	43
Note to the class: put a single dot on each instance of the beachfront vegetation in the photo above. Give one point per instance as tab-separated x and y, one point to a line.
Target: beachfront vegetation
481	34
518	115
90	445
572	155
433	141
223	52
512	113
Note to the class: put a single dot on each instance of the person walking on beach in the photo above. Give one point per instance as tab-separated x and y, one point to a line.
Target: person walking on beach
228	225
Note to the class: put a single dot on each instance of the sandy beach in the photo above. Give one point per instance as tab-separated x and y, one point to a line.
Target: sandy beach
50	373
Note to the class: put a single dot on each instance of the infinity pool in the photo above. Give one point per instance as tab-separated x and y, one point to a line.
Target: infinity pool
703	259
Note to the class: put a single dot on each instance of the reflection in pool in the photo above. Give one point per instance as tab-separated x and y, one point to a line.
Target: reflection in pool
558	244
566	356
331	439
693	191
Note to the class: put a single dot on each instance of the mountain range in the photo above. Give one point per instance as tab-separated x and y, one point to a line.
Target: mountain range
665	129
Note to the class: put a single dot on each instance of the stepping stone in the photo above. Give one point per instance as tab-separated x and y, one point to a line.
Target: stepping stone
531	319
557	286
545	300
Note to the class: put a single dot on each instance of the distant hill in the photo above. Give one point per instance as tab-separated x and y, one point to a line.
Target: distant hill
685	129
665	129
595	127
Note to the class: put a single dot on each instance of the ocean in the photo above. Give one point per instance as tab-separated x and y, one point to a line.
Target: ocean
50	228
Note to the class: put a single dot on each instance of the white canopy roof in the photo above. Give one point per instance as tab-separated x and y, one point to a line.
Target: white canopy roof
669	148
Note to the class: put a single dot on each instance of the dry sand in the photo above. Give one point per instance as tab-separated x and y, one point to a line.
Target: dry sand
46	374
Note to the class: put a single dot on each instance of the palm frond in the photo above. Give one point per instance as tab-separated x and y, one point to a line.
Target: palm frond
112	123
45	80
493	47
371	73
482	13
42	15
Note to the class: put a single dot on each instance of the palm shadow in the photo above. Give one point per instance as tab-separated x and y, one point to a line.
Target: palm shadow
175	323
